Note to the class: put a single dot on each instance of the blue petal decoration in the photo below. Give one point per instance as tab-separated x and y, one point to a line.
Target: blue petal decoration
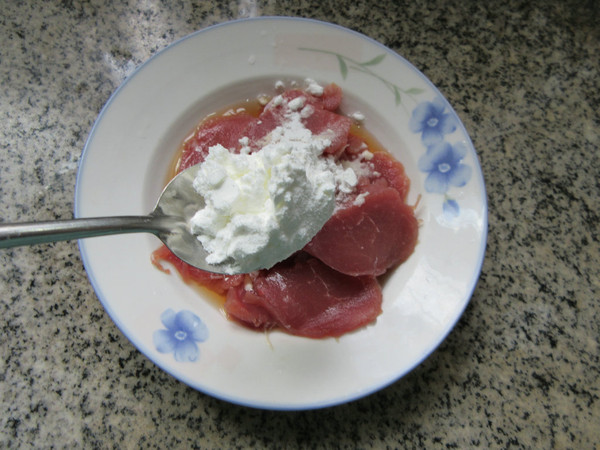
451	208
183	330
443	163
442	160
430	119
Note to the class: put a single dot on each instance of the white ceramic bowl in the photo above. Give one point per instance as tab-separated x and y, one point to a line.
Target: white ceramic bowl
125	161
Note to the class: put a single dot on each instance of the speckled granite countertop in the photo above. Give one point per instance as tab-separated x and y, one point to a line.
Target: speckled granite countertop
521	369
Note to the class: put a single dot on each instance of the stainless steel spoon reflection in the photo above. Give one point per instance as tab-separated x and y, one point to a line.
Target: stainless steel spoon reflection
169	222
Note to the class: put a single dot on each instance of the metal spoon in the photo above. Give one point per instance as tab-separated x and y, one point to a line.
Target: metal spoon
169	222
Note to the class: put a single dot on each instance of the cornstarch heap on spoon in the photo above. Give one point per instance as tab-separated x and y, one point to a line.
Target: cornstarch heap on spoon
262	206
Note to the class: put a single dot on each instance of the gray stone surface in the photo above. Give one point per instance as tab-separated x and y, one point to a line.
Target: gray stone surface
521	369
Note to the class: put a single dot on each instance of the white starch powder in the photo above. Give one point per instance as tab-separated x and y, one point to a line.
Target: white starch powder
263	206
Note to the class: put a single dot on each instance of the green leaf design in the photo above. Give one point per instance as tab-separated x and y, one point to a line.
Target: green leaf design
346	64
398	97
414	91
343	66
374	61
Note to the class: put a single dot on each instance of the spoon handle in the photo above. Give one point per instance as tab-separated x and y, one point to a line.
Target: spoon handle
29	233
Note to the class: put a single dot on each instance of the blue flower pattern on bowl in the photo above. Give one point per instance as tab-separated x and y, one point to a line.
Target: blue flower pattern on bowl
442	160
430	119
442	163
183	330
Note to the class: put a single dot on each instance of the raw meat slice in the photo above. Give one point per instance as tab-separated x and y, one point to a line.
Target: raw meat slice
355	145
307	298
370	238
245	307
224	130
330	100
393	172
321	121
215	282
332	97
331	126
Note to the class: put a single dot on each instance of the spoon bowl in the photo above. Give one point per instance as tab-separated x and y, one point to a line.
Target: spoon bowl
169	221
